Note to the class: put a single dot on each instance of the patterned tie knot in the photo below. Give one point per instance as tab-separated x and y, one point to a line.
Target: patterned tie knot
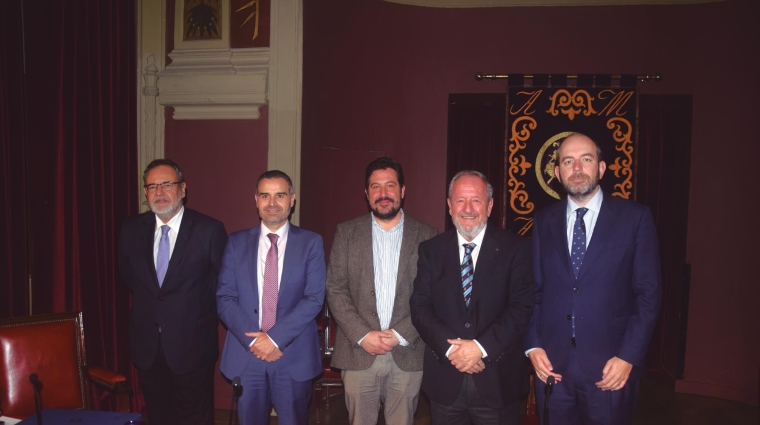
165	229
468	247
273	238
581	212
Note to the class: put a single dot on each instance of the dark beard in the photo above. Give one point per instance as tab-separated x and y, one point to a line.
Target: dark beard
386	216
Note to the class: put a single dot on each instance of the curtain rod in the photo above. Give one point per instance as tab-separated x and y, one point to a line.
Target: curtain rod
643	78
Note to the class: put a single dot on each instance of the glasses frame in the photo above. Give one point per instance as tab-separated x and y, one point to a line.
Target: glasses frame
150	188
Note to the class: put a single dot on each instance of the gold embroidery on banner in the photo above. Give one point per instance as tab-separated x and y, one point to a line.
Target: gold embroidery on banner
545	173
615	104
526	227
622	166
518	164
527	105
571	104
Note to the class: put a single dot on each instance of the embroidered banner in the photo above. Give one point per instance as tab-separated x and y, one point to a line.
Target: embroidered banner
538	118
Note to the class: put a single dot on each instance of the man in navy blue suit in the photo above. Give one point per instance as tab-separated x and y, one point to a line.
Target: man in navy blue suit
597	271
271	288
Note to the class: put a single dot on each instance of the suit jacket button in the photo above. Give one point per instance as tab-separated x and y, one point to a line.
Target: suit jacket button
374	314
160	298
575	289
255	311
466	325
372	293
568	317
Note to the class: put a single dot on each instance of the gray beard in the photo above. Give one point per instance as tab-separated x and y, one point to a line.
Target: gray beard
469	235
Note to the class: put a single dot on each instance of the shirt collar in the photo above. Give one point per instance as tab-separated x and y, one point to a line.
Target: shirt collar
594	204
174	222
396	227
281	232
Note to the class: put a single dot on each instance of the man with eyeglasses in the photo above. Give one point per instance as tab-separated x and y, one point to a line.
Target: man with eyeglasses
170	258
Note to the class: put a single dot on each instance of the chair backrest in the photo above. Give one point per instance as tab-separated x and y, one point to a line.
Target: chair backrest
52	346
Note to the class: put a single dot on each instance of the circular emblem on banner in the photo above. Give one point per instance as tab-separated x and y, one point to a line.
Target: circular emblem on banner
546	160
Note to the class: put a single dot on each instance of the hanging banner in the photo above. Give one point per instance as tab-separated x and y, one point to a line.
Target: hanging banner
538	118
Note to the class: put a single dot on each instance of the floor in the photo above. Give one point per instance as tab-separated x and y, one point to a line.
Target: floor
658	405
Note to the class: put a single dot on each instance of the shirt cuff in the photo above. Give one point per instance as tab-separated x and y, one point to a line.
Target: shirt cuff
270	338
359	342
528	351
401	341
482	350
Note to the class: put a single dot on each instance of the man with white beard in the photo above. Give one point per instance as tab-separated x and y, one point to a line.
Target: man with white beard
472	300
170	258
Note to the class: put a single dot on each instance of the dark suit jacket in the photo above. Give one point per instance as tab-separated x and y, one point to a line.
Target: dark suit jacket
184	307
300	299
500	308
351	293
616	297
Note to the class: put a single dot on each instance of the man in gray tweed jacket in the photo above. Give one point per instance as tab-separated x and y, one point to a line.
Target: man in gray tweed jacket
373	264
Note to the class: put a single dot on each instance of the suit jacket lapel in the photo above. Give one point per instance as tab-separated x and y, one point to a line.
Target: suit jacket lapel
558	227
487	257
292	256
252	258
408	243
452	268
149	230
180	246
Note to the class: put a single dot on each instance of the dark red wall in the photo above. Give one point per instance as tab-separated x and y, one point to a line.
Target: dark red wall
221	160
377	77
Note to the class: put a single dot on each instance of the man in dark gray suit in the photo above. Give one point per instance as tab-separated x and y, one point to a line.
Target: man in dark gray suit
373	263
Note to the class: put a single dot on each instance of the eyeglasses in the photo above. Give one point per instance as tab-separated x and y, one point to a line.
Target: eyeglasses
165	186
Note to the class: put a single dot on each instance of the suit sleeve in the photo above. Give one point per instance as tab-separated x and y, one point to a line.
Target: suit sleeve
432	329
645	284
238	322
286	329
342	306
506	331
531	338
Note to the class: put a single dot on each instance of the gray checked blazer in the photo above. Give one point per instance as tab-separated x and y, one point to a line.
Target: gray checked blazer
351	293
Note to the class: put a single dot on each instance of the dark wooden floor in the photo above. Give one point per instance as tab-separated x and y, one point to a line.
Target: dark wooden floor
658	405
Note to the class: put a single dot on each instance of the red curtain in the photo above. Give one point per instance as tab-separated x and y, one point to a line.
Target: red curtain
80	177
14	299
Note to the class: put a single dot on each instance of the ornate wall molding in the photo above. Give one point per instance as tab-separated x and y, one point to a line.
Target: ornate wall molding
207	84
523	3
285	88
151	51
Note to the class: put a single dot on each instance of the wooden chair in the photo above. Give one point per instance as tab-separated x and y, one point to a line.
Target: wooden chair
330	377
51	346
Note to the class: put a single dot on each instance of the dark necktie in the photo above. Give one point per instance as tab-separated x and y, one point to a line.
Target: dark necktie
162	258
269	298
467	272
578	250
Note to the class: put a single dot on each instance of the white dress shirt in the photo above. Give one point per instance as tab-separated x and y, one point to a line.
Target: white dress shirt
594	205
264	245
174	224
478	241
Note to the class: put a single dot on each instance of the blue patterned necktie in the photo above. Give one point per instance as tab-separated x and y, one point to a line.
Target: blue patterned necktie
578	250
467	271
162	259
